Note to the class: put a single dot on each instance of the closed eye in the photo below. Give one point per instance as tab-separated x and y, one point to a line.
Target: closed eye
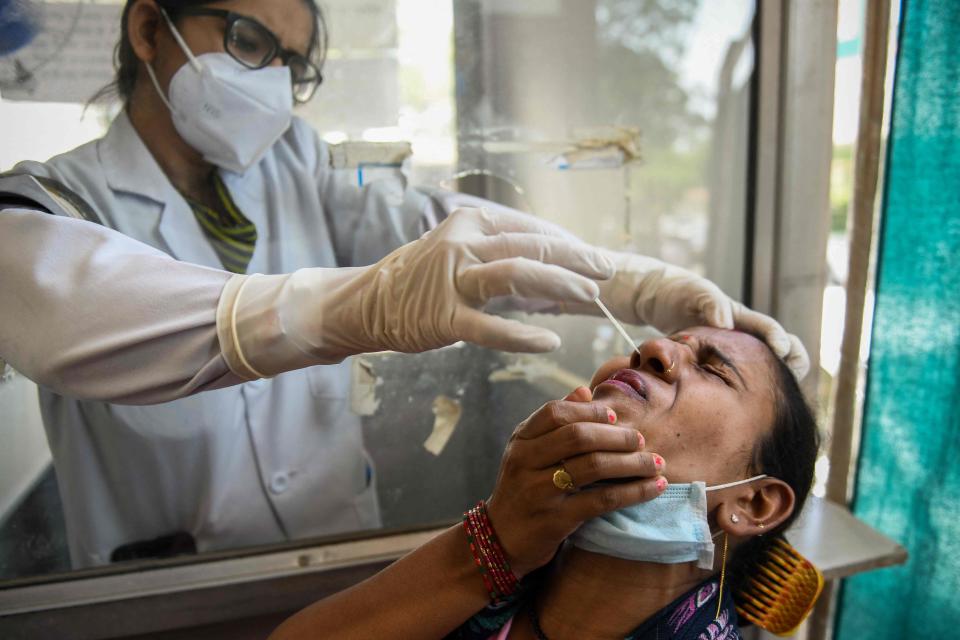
711	360
711	369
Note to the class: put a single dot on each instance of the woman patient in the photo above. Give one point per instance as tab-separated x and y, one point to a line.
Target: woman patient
712	407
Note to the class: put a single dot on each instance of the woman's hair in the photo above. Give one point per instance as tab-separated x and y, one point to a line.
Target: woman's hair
788	452
125	61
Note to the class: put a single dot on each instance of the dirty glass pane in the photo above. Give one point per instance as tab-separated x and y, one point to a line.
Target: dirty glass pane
623	120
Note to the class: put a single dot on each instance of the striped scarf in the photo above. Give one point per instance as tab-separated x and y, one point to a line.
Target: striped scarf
230	233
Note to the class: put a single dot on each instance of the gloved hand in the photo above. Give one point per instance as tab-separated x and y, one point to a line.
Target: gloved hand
424	295
648	291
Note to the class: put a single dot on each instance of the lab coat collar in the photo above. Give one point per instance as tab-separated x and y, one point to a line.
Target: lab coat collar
130	167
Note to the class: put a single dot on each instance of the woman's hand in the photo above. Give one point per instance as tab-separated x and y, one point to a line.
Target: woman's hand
432	590
530	514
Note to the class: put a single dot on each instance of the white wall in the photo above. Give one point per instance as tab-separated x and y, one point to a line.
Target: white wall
39	130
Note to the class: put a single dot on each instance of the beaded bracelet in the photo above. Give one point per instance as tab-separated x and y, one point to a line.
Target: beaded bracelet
488	555
491	552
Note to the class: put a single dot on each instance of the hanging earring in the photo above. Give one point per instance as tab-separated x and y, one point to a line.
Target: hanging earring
723	575
734	518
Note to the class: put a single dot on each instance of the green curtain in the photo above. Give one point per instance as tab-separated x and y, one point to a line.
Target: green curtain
908	477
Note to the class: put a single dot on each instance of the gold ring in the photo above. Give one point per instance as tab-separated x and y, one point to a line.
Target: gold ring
562	479
672	365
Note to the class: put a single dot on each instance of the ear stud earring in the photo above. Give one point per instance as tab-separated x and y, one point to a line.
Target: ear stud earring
734	518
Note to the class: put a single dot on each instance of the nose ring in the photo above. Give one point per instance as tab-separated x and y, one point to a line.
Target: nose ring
673	363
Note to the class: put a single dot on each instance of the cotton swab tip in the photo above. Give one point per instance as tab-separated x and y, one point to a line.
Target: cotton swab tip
616	324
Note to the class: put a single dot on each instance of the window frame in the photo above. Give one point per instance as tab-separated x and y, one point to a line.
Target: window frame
788	177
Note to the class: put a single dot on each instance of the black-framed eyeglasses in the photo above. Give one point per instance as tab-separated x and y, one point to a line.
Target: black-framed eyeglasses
254	46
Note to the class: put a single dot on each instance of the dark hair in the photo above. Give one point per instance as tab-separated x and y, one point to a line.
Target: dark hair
788	452
125	61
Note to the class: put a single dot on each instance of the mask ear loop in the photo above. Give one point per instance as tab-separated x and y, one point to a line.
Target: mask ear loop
723	575
180	41
156	85
197	66
717	487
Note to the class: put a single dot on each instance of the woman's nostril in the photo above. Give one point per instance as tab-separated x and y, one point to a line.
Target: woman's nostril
656	365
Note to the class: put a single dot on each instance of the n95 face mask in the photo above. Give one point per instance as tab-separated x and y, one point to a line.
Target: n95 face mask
230	114
670	529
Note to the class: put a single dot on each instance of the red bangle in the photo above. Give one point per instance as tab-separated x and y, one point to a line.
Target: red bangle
494	596
496	559
488	555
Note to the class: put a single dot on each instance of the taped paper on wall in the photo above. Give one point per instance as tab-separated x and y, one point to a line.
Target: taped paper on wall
446	415
363	388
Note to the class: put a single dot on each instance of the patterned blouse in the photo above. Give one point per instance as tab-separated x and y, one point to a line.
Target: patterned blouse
692	616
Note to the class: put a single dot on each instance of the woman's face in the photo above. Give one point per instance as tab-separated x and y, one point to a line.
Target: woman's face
702	398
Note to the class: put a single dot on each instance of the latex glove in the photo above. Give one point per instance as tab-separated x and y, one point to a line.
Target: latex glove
785	345
425	295
669	298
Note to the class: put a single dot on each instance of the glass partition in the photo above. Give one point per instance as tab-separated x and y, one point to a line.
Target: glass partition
625	121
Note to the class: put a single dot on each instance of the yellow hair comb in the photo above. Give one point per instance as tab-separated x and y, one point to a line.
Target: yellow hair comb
782	590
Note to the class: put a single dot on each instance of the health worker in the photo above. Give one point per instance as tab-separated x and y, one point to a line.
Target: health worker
207	164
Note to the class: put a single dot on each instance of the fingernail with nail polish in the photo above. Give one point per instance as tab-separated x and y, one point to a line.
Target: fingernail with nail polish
661	484
611	416
658	461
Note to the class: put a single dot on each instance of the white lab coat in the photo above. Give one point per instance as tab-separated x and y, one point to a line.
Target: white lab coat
83	308
261	462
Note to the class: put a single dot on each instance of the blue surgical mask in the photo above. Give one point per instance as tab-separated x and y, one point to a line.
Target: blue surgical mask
670	529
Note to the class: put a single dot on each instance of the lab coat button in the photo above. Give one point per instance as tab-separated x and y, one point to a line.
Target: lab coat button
279	482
